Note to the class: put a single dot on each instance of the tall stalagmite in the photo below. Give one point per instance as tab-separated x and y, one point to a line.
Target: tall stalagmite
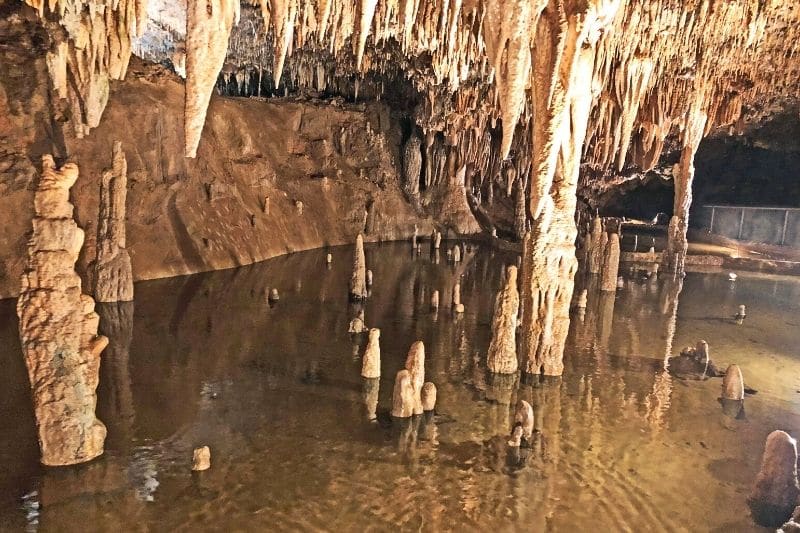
502	357
208	26
358	279
58	327
567	41
112	278
608	280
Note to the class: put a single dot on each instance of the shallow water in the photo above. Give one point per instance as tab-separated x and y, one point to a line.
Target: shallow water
276	393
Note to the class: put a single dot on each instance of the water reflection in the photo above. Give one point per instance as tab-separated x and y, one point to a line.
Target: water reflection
300	441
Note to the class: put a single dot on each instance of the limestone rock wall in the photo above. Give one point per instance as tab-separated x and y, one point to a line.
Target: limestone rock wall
58	327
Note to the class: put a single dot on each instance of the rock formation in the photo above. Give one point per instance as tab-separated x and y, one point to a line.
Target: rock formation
358	280
458	307
608	280
775	492
371	365
412	166
435	300
112	278
370	388
403	396
415	364
502	356
523	417
733	384
201	459
595	246
58	327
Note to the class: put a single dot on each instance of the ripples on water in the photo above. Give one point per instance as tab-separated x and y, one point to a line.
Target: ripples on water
276	393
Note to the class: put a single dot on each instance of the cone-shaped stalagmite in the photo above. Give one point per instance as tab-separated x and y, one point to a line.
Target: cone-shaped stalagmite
415	364
502	358
733	384
58	328
610	264
358	280
112	278
371	366
403	396
775	492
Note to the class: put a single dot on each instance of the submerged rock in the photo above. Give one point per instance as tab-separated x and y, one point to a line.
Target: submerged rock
775	492
201	459
733	384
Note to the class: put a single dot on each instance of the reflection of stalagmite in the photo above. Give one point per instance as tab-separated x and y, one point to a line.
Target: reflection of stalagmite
403	397
370	387
415	364
371	366
112	278
116	323
500	388
435	300
502	357
358	280
775	492
58	327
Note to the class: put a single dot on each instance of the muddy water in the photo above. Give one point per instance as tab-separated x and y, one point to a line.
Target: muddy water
275	392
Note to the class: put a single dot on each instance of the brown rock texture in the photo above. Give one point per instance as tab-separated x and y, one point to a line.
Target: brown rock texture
371	365
733	384
58	328
111	272
358	280
502	355
775	491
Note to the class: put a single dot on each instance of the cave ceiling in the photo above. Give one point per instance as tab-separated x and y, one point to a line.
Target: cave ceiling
473	66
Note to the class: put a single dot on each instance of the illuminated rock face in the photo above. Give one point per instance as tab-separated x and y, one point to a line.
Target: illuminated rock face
502	357
58	328
112	278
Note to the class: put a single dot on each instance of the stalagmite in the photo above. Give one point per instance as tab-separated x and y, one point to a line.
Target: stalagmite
112	278
201	459
415	364
371	366
502	357
428	397
733	384
412	166
369	278
458	307
610	264
329	259
435	300
775	492
58	327
437	240
370	388
456	254
403	396
595	246
208	26
274	296
358	280
525	419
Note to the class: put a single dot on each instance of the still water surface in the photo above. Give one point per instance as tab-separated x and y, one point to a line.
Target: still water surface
276	393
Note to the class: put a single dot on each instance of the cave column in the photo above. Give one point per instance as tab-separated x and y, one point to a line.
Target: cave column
677	244
562	75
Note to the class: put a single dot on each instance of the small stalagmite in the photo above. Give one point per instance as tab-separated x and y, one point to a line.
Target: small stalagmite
414	237
403	395
775	492
433	241
358	281
457	254
112	277
610	264
458	307
201	459
733	384
58	327
415	364
371	366
369	278
274	296
435	300
437	239
502	357
329	259
524	418
428	396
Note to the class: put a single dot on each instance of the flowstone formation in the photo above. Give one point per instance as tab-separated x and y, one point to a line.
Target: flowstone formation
502	357
58	327
112	278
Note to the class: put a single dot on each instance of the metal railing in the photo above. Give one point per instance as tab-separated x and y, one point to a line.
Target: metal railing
767	225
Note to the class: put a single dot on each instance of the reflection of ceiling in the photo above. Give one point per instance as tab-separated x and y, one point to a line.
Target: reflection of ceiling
471	62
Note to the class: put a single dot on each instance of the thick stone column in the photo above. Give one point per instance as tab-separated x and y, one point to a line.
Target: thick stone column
112	277
58	327
562	76
683	176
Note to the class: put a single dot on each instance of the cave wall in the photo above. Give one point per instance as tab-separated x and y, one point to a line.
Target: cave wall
330	171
